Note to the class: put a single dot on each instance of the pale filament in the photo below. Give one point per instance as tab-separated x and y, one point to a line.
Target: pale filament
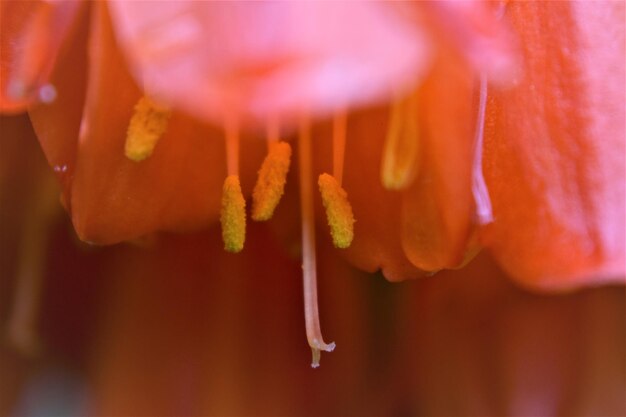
309	273
339	143
484	214
273	131
231	128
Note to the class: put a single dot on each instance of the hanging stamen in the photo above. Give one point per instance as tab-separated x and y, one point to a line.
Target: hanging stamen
400	155
338	211
270	184
147	125
233	213
480	192
309	276
335	198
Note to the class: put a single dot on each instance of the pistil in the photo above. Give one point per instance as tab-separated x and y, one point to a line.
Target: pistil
311	314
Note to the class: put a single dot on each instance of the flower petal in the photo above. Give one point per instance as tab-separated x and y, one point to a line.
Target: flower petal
555	148
57	123
437	209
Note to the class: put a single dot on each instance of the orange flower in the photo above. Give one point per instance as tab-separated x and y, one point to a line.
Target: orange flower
136	92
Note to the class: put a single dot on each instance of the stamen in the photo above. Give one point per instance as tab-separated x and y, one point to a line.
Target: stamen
309	278
484	214
339	144
400	155
270	185
146	127
338	211
233	215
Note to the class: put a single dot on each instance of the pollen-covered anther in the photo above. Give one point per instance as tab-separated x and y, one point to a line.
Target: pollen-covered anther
147	125
270	185
338	211
233	215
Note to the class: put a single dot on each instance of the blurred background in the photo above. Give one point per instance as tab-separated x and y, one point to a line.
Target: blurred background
173	325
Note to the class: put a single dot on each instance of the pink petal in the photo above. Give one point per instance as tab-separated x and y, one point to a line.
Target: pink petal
264	58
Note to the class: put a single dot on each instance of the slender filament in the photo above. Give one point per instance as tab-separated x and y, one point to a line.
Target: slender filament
484	214
273	131
339	144
309	277
231	128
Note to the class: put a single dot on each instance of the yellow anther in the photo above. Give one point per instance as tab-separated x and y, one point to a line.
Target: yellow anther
148	124
400	155
270	185
338	211
233	215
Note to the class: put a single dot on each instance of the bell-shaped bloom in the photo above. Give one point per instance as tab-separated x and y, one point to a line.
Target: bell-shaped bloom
552	125
447	127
